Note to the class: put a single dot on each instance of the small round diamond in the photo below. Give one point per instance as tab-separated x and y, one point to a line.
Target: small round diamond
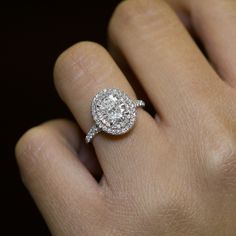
113	111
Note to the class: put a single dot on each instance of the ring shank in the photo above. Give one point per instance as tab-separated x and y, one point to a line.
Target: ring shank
139	103
92	132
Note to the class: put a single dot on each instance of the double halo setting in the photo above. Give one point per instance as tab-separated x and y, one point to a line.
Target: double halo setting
113	113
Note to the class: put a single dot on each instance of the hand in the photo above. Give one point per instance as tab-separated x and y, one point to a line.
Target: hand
174	174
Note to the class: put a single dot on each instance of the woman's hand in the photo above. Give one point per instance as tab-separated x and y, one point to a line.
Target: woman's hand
174	174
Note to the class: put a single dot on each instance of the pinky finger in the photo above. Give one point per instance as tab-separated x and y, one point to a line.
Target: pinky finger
62	187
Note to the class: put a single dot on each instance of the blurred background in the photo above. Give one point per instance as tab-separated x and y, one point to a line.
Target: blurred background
33	34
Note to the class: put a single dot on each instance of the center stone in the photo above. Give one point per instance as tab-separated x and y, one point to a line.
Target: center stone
116	112
113	108
113	111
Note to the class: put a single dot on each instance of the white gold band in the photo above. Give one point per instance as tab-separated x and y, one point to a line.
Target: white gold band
139	103
92	132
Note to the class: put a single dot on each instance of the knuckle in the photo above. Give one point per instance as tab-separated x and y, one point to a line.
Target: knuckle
129	8
81	51
81	58
174	203
227	172
178	212
30	145
137	13
222	161
132	8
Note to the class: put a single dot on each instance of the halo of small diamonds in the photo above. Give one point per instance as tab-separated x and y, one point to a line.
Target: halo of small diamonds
113	111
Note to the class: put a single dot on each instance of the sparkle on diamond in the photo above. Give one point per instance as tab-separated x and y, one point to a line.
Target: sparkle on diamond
113	111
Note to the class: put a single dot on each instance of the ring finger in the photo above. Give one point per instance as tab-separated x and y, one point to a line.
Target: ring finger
80	73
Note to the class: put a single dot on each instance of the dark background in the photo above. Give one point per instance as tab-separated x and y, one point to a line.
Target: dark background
33	34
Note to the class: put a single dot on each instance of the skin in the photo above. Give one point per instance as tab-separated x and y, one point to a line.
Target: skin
171	175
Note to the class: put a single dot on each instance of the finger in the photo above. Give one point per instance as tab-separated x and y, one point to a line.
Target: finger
64	190
164	57
80	73
214	22
130	75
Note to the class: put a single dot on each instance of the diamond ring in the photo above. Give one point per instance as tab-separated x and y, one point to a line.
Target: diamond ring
113	112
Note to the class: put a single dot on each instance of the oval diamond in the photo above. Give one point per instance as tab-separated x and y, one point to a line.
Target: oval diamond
113	111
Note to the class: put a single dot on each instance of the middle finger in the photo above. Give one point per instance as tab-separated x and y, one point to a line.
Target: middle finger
169	65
